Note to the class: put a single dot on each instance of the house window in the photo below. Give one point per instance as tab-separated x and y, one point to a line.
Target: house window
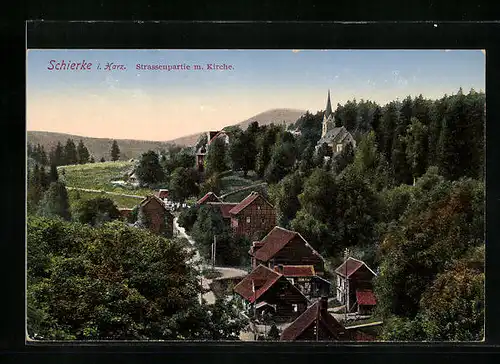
339	148
248	219
263	220
258	207
295	308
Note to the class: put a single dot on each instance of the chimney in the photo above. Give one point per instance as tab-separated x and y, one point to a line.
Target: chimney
323	304
280	268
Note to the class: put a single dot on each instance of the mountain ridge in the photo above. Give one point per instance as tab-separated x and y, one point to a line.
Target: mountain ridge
132	148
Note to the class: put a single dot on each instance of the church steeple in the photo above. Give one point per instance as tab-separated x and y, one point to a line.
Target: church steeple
328	116
328	110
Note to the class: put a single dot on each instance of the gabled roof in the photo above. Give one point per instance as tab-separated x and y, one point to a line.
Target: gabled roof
256	283
224	207
309	317
247	201
366	297
276	240
206	197
350	266
151	198
336	135
296	270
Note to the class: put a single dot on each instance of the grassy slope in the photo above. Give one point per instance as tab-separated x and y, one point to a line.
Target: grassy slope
235	181
98	176
120	201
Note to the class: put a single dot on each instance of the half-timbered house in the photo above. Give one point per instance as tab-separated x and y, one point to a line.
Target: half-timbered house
285	247
253	217
264	285
154	216
354	285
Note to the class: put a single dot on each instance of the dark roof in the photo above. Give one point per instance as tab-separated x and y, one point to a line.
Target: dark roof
246	202
336	135
206	197
261	278
224	208
276	240
308	318
366	297
350	266
296	270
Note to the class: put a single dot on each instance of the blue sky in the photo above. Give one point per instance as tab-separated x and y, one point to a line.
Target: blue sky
110	103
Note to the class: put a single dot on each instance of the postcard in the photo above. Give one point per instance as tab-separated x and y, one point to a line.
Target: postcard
255	195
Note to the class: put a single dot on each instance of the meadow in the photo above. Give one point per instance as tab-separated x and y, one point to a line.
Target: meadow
98	176
120	201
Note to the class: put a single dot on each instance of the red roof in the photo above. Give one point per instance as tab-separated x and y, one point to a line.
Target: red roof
208	196
350	266
308	318
365	297
246	202
273	242
162	193
297	270
224	208
260	279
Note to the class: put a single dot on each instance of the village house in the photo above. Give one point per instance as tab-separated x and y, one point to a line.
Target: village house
264	289
154	214
203	150
125	213
354	286
304	277
209	197
336	138
315	324
285	247
253	216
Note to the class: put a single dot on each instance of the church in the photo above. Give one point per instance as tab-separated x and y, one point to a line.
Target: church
336	138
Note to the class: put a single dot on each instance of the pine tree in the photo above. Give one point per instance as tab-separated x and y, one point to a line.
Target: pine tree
70	153
102	160
417	141
57	156
35	190
54	176
115	151
216	157
55	202
83	153
149	170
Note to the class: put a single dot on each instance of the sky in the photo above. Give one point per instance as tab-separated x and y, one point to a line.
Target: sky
162	105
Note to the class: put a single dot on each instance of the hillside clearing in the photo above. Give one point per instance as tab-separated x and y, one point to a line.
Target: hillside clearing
120	201
98	176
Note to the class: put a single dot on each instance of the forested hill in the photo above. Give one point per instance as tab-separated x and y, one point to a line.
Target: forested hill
276	116
98	147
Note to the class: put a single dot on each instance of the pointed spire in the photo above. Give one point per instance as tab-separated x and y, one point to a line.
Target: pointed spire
328	110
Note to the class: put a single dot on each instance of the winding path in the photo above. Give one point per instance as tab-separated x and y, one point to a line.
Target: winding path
225	271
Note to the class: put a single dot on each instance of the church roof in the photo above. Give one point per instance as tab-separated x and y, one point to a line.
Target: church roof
335	135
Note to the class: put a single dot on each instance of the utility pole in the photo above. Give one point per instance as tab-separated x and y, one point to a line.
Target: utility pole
214	247
346	290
